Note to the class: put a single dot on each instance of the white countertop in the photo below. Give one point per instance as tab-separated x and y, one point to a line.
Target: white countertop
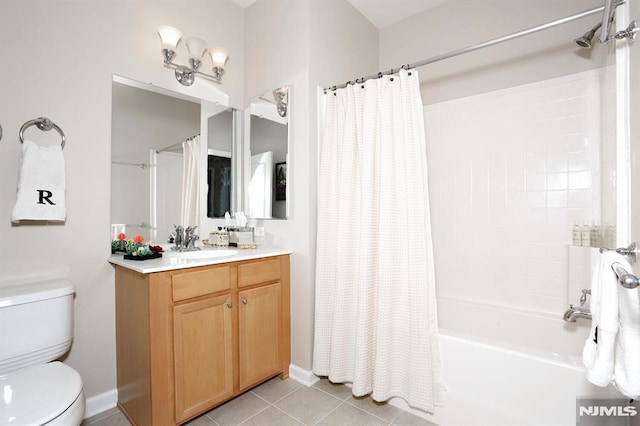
174	260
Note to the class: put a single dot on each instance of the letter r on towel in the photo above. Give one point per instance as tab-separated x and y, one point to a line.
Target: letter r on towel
44	195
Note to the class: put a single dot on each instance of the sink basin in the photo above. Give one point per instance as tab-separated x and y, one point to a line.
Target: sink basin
201	254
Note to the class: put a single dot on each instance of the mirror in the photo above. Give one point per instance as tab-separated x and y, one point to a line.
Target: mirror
267	187
150	126
220	145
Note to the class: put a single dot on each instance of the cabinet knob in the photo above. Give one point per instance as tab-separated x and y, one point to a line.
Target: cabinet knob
229	305
244	300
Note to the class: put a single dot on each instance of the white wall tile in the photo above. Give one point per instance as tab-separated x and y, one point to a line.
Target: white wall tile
527	167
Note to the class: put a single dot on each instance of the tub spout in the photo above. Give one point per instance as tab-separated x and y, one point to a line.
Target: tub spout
572	314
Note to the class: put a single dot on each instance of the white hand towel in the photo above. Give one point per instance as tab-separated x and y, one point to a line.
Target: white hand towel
599	349
41	184
626	372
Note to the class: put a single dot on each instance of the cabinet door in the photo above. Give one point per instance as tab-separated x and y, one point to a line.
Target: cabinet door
203	355
260	330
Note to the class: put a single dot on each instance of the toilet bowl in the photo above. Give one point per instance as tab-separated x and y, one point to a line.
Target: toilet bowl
44	394
36	329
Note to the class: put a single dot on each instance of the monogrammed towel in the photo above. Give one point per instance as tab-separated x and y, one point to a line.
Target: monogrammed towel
41	184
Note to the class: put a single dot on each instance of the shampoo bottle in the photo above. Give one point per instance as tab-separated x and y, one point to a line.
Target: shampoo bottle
586	235
577	234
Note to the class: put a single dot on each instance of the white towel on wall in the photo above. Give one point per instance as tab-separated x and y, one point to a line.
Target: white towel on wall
41	184
612	351
599	349
626	372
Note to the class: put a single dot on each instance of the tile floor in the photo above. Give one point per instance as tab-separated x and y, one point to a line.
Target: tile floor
286	402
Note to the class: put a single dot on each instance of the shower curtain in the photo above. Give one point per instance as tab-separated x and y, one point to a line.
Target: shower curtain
190	213
375	312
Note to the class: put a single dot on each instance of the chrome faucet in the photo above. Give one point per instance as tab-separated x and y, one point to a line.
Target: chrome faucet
572	314
184	239
190	239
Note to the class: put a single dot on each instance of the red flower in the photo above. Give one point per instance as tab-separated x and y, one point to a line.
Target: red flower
138	239
122	236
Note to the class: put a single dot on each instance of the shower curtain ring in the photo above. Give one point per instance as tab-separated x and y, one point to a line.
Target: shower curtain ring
379	74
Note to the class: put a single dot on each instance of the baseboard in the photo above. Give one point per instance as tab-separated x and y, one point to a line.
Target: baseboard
101	403
300	375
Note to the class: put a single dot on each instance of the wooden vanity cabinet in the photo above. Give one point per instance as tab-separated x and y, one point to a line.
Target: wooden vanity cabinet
191	339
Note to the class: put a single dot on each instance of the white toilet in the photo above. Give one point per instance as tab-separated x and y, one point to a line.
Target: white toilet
36	327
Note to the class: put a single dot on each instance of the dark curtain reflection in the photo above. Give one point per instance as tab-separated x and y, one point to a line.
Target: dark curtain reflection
219	182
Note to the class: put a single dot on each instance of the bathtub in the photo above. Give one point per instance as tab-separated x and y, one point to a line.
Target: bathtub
494	378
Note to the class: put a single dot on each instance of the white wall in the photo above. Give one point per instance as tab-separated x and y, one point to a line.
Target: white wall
457	24
304	44
66	53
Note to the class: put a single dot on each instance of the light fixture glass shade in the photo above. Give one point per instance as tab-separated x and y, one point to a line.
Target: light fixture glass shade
197	47
169	36
219	57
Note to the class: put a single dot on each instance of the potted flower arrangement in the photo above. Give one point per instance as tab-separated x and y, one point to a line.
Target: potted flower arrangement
135	248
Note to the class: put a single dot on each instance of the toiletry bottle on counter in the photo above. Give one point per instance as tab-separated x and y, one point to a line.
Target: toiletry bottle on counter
595	235
585	235
577	235
223	237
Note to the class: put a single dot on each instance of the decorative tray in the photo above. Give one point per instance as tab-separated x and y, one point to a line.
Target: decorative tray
146	257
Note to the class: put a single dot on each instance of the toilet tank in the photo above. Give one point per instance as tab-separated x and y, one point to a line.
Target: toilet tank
36	317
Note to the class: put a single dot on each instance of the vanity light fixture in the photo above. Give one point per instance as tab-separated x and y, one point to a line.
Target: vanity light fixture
281	96
185	74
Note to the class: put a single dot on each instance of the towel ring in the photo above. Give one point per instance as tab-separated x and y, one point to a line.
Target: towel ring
44	124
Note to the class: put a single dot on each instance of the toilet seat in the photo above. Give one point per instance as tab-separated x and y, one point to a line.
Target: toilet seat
38	394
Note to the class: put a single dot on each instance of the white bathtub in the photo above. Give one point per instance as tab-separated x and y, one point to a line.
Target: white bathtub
493	382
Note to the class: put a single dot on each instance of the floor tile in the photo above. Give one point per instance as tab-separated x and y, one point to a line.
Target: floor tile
201	421
237	410
287	403
271	417
309	405
338	390
348	415
276	389
379	409
113	417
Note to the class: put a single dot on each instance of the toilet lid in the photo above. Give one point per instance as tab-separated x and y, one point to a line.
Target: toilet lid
38	394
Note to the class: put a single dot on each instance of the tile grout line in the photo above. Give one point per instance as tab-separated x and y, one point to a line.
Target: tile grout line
329	413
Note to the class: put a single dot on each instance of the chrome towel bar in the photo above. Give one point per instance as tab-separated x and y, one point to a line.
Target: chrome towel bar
44	124
625	278
631	251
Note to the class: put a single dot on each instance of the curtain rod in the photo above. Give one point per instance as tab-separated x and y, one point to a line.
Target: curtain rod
478	46
128	163
175	145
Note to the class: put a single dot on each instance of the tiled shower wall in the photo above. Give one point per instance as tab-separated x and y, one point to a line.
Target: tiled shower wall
510	172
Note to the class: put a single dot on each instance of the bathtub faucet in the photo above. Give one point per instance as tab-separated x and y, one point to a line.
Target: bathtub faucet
572	314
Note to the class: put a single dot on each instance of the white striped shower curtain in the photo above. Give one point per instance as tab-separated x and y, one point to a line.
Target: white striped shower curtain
375	312
190	212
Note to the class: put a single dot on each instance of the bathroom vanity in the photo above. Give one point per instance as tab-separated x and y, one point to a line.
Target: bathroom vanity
193	332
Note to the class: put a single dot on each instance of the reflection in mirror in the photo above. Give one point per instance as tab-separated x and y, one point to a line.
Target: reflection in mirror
153	135
219	171
267	192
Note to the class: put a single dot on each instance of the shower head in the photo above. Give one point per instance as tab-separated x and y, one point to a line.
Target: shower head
585	40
